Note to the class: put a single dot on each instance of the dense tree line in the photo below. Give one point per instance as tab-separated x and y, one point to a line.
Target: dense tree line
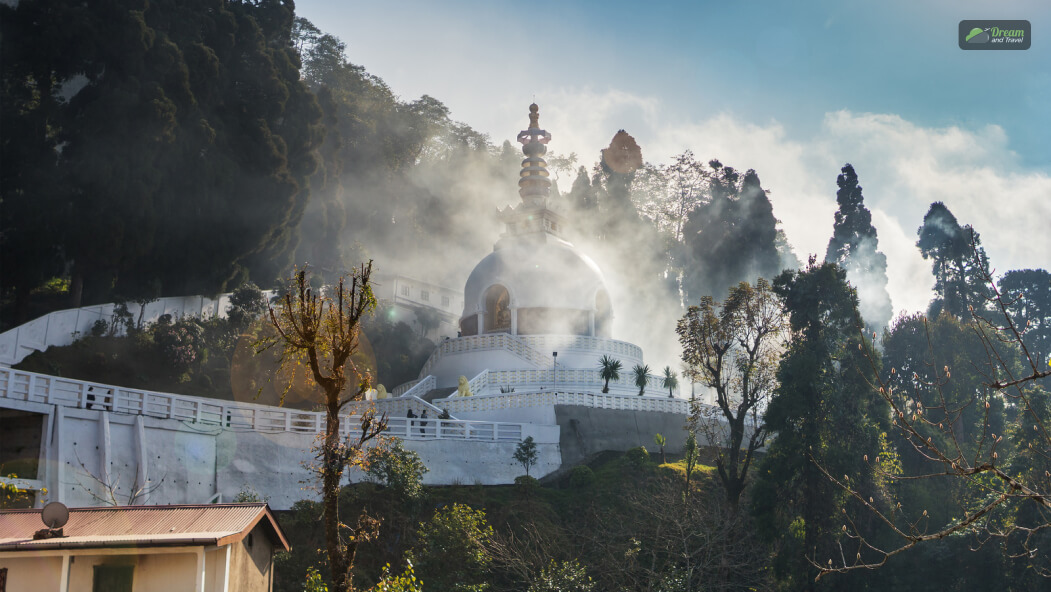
151	146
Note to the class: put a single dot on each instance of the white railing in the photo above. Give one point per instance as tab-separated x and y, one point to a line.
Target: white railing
63	327
584	343
563	379
493	341
403	387
422	387
479	385
394	407
517	400
453	429
50	390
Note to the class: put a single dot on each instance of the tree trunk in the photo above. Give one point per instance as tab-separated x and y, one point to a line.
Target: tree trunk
331	477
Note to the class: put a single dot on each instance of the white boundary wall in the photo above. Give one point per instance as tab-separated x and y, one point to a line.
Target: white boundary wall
63	327
181	449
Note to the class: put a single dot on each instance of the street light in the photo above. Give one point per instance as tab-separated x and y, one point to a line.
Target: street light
554	368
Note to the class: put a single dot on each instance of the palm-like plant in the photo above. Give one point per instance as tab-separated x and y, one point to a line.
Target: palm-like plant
609	369
670	381
642	377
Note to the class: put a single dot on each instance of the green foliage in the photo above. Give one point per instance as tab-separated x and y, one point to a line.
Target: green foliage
957	257
638	456
183	119
660	441
11	497
189	355
565	576
609	369
1029	293
406	582
526	453
451	550
853	247
691	457
247	303
314	582
248	495
399	351
641	375
399	470
827	419
730	237
733	348
526	483
669	381
581	476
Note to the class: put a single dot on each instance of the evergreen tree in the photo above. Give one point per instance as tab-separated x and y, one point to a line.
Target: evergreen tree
826	419
955	252
1029	292
177	135
853	247
731	237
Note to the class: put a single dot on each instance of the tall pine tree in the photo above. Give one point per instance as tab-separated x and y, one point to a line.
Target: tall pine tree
955	252
853	247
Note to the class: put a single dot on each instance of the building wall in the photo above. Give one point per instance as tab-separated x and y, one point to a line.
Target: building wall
32	573
588	430
251	563
155	569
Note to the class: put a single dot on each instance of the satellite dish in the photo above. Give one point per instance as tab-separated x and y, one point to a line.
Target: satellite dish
55	515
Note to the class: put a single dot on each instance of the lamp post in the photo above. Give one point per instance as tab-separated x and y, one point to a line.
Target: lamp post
554	368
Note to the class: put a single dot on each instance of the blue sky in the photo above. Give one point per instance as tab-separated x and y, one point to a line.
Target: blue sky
792	89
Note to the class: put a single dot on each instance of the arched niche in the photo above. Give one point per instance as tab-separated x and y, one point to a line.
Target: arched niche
497	310
603	315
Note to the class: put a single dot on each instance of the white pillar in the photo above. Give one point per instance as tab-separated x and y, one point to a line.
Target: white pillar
104	452
63	581
58	487
142	469
226	570
198	584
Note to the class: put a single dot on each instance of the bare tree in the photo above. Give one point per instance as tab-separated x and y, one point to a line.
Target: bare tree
107	488
733	349
1009	482
317	332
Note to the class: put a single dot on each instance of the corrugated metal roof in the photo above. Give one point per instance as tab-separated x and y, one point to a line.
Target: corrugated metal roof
141	526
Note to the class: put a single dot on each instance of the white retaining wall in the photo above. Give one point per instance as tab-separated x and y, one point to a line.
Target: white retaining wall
177	449
63	327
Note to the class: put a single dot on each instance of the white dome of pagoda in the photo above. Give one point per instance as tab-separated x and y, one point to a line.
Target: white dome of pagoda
536	285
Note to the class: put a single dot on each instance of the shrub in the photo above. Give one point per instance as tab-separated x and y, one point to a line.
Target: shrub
581	476
396	468
526	482
567	576
638	456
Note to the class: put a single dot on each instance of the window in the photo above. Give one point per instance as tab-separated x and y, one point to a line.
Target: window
405	291
112	578
425	296
445	301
